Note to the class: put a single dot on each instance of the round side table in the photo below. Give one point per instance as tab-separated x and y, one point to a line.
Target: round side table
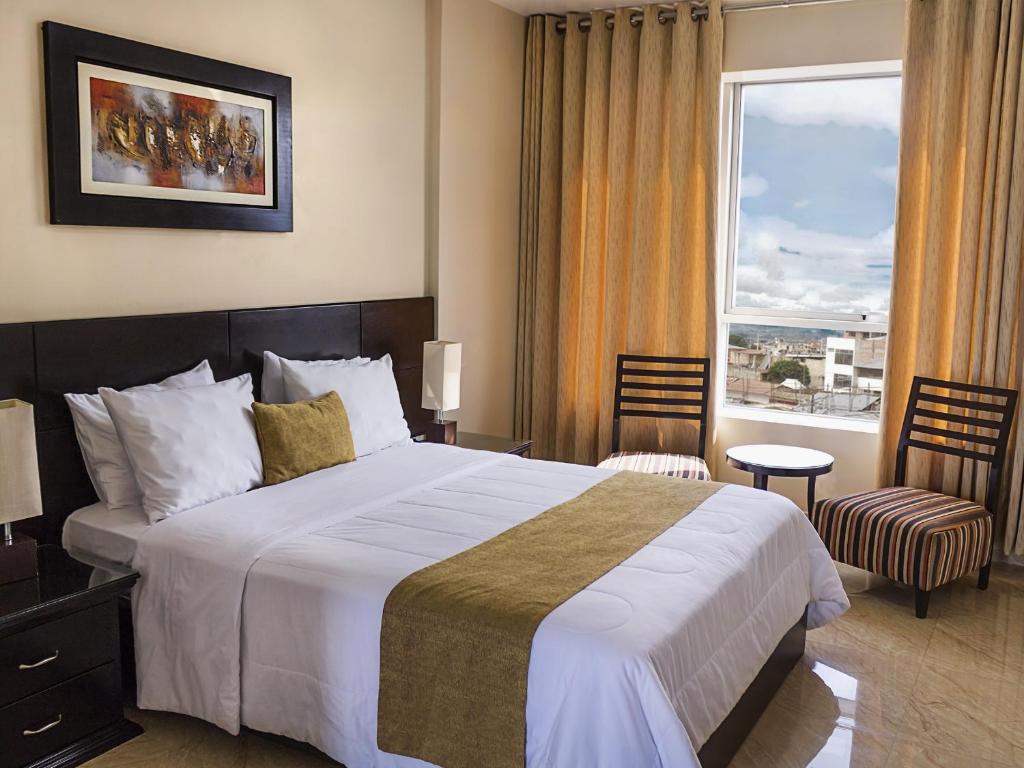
766	461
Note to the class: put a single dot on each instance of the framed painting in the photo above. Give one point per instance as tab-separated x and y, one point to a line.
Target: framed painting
142	136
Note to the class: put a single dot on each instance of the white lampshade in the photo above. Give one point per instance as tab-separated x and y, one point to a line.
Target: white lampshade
442	371
19	470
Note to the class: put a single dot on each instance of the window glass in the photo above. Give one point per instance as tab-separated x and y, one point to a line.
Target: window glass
812	186
795	370
817	196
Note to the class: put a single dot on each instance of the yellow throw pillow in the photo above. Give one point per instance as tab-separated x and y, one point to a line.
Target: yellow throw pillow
299	438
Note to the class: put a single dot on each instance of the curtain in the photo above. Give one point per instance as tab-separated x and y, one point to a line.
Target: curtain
619	188
957	295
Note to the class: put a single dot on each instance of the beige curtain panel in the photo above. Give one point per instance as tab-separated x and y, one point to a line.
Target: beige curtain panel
957	295
619	185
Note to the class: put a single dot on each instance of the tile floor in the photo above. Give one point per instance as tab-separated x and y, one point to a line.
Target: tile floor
876	689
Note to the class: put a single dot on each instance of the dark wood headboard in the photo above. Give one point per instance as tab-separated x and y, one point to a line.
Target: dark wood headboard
41	361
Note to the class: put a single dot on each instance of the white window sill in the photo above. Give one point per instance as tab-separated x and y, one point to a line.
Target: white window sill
798	419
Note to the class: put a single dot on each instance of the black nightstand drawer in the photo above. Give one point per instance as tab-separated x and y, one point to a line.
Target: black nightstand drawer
44	723
50	653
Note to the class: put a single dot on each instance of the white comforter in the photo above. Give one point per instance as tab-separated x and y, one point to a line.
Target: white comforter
265	609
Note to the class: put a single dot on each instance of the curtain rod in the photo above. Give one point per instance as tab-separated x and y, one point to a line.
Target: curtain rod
699	11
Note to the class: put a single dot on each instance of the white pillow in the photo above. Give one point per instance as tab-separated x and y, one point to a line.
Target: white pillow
272	383
368	391
105	459
188	446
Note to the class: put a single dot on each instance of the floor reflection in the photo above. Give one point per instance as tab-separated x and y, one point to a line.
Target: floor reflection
882	689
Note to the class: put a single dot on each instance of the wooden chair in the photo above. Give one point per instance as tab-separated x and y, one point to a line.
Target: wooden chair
918	537
664	388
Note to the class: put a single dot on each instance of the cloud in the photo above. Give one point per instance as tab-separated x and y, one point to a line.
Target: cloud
872	102
753	185
782	266
886	173
802	203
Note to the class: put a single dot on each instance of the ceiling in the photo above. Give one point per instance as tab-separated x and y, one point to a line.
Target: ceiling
527	7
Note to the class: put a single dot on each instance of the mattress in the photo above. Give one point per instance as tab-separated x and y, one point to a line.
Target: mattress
265	609
95	532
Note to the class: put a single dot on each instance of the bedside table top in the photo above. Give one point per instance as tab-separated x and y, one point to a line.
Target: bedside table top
62	581
479	442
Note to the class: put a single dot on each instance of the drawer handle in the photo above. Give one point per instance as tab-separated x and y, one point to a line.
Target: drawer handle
41	662
44	729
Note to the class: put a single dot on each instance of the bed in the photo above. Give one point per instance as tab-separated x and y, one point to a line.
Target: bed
263	610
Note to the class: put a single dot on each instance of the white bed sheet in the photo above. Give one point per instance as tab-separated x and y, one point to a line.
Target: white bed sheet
97	532
265	609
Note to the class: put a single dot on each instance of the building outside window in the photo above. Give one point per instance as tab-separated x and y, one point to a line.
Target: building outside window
809	206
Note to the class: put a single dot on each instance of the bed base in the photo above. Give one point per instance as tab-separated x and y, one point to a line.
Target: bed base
727	739
717	751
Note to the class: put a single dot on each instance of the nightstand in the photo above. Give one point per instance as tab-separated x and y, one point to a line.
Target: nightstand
478	442
61	700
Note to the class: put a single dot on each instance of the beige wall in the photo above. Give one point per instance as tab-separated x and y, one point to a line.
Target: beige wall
477	121
359	106
830	33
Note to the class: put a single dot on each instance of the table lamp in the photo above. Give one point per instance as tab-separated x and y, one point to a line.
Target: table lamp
442	369
19	490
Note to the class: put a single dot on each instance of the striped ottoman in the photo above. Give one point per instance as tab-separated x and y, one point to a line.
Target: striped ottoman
668	464
916	537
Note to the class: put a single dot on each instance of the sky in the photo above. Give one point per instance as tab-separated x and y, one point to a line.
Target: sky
818	195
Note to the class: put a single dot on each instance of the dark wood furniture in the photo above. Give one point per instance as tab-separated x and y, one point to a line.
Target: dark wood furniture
42	361
17	558
982	437
662	387
648	386
60	664
480	442
444	432
923	538
766	461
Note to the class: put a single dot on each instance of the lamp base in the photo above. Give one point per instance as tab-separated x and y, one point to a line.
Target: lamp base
442	432
18	559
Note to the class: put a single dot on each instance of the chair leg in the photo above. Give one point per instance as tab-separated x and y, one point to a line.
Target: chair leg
983	576
921	602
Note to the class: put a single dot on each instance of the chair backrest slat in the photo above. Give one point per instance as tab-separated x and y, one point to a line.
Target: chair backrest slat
662	415
960	418
960	402
949	450
973	437
953	434
667	376
696	402
975	389
657	386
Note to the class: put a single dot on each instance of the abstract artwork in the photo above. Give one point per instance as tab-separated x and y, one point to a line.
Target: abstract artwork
152	137
144	136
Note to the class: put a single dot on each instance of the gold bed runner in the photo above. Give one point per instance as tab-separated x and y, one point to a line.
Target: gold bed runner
456	636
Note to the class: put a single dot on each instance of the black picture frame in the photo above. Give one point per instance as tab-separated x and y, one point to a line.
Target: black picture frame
64	46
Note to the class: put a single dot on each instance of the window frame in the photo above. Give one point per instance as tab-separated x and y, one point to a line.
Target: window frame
731	130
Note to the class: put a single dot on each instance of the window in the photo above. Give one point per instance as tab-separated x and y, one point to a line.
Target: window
809	203
844	357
